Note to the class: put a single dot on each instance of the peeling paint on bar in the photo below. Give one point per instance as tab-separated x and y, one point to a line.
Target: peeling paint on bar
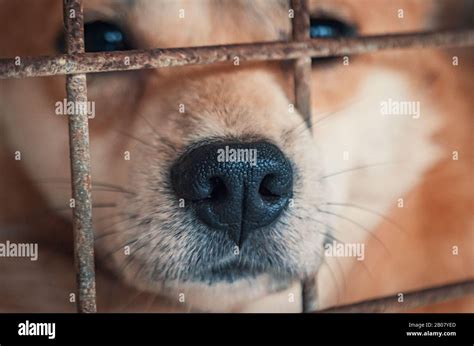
76	88
159	58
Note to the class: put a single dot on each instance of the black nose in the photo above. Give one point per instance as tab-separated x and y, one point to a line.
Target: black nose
236	187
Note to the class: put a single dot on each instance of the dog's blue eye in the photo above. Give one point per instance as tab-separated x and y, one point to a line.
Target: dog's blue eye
329	28
104	37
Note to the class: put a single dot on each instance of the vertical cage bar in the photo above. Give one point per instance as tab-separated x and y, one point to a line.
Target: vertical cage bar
76	88
302	80
309	294
302	67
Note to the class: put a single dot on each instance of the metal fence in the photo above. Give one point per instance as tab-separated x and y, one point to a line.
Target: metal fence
75	64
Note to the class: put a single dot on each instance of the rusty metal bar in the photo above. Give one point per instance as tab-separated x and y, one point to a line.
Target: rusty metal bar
76	88
302	81
309	294
302	68
411	300
158	58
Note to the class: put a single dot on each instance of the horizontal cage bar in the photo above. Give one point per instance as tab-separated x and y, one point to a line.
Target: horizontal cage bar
410	300
159	58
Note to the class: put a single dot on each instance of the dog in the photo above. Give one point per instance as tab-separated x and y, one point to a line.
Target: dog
210	191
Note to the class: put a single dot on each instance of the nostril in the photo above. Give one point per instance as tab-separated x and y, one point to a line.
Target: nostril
276	185
265	189
218	189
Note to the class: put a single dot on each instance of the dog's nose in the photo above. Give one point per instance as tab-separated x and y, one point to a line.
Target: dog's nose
235	187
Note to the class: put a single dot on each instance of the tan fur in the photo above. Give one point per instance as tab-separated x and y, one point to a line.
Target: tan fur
250	100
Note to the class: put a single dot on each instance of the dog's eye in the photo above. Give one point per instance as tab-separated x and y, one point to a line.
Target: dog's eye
104	37
100	36
329	28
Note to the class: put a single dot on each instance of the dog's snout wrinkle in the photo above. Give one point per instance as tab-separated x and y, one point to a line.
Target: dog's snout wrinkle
236	187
